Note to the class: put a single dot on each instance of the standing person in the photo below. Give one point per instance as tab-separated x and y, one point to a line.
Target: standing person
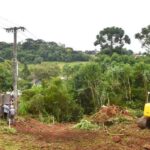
11	114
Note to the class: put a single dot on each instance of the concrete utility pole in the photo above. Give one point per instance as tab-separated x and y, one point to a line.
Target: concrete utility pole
15	62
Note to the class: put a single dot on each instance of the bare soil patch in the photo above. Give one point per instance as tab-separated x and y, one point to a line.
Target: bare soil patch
64	137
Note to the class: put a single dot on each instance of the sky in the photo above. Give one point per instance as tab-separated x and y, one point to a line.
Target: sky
74	23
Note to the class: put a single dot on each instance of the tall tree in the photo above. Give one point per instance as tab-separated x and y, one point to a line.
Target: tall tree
112	39
144	37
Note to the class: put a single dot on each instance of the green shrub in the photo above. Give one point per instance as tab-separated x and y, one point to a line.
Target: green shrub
29	93
86	125
76	112
36	104
136	112
135	104
23	108
53	99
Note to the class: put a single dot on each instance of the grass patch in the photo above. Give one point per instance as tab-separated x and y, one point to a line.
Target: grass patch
8	130
86	125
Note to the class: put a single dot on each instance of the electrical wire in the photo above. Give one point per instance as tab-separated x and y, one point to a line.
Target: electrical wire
4	21
23	34
31	34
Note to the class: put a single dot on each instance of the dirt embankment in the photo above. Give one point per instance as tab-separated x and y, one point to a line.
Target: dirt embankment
50	132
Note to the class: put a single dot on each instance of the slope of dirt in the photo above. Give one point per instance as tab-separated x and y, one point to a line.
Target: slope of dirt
33	135
52	133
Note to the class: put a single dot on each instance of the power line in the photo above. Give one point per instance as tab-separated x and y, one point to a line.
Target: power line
31	34
23	34
14	24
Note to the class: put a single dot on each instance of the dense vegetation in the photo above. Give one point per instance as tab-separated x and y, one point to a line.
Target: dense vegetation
37	51
66	92
82	88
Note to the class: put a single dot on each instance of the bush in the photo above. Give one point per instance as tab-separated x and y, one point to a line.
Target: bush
137	113
23	108
36	104
52	99
135	104
76	112
86	125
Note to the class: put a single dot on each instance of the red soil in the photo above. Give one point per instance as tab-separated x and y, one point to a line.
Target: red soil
64	137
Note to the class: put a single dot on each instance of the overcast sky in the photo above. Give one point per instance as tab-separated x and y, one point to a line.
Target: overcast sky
74	23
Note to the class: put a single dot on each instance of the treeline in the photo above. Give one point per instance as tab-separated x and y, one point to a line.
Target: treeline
111	40
37	51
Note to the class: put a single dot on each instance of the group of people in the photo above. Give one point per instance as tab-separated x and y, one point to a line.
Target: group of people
9	112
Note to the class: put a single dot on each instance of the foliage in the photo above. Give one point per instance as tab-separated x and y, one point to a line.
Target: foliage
112	39
144	37
5	76
44	71
37	51
35	74
123	119
86	82
86	125
137	113
23	108
67	91
52	99
8	130
36	104
46	118
116	79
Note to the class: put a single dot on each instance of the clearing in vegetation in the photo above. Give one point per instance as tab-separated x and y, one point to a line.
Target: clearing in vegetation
30	134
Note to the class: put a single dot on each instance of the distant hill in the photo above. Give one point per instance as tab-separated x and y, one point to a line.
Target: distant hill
37	51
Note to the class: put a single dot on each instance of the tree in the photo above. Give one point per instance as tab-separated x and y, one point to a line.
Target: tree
86	82
5	76
25	71
112	39
144	37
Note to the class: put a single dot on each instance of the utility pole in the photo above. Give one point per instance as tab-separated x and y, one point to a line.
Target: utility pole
15	62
